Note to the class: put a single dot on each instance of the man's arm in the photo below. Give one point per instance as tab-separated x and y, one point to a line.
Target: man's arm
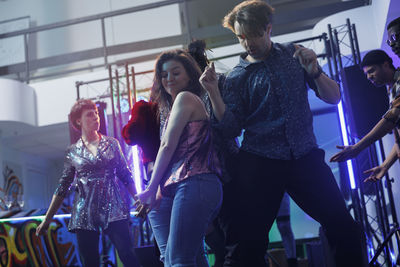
228	110
378	172
328	89
209	81
381	129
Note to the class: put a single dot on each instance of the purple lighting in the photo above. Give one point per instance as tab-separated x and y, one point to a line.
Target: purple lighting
346	143
137	169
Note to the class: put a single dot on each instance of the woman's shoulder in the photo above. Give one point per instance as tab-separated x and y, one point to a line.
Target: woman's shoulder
187	94
188	98
189	102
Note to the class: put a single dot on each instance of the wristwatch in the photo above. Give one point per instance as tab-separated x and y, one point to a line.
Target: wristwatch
319	72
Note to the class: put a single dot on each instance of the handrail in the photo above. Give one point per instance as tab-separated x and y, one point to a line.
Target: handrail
91	18
104	51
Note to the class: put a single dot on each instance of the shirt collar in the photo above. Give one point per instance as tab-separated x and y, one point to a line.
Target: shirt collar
244	63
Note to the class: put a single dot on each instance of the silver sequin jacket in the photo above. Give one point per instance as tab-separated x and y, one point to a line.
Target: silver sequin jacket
98	200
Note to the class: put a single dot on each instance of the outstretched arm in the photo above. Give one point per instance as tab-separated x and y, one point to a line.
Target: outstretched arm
328	89
348	152
378	172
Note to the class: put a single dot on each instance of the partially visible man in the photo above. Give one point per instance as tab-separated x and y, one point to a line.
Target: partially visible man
266	94
393	31
378	67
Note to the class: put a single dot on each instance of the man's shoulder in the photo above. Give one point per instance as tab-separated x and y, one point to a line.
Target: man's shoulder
285	48
237	75
239	71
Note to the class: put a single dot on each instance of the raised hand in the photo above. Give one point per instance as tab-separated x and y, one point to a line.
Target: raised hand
209	79
307	59
348	152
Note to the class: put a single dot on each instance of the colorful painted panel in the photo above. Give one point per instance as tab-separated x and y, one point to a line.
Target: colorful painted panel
19	245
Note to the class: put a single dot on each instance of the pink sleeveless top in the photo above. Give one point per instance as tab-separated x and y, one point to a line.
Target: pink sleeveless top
195	154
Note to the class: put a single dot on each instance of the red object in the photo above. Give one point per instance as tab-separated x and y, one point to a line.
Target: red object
143	129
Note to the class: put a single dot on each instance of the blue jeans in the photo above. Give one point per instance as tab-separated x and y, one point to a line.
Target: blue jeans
181	221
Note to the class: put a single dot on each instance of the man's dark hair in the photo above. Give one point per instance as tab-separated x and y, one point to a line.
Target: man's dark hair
393	23
376	57
253	15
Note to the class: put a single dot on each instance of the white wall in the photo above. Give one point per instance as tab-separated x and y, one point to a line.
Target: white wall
39	176
17	102
56	97
369	22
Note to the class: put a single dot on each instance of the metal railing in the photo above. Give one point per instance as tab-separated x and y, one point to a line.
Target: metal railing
104	51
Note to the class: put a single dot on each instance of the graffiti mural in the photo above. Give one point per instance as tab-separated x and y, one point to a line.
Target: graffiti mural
19	245
12	188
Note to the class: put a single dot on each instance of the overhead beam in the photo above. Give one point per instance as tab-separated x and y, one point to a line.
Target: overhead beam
287	19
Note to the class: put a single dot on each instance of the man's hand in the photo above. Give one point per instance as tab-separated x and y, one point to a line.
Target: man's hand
307	59
348	152
376	173
209	79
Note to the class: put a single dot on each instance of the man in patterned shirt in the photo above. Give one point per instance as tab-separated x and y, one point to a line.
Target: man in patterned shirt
266	94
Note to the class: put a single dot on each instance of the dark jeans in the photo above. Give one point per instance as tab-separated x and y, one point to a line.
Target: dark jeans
252	199
119	234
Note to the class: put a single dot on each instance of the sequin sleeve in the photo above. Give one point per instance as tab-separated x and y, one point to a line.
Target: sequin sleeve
122	169
67	176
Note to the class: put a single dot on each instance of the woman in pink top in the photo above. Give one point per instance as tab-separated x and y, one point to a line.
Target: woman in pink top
185	175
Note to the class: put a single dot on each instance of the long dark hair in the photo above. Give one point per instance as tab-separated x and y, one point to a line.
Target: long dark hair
158	92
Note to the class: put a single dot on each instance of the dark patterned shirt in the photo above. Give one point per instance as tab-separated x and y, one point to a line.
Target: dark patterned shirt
394	91
269	100
393	114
